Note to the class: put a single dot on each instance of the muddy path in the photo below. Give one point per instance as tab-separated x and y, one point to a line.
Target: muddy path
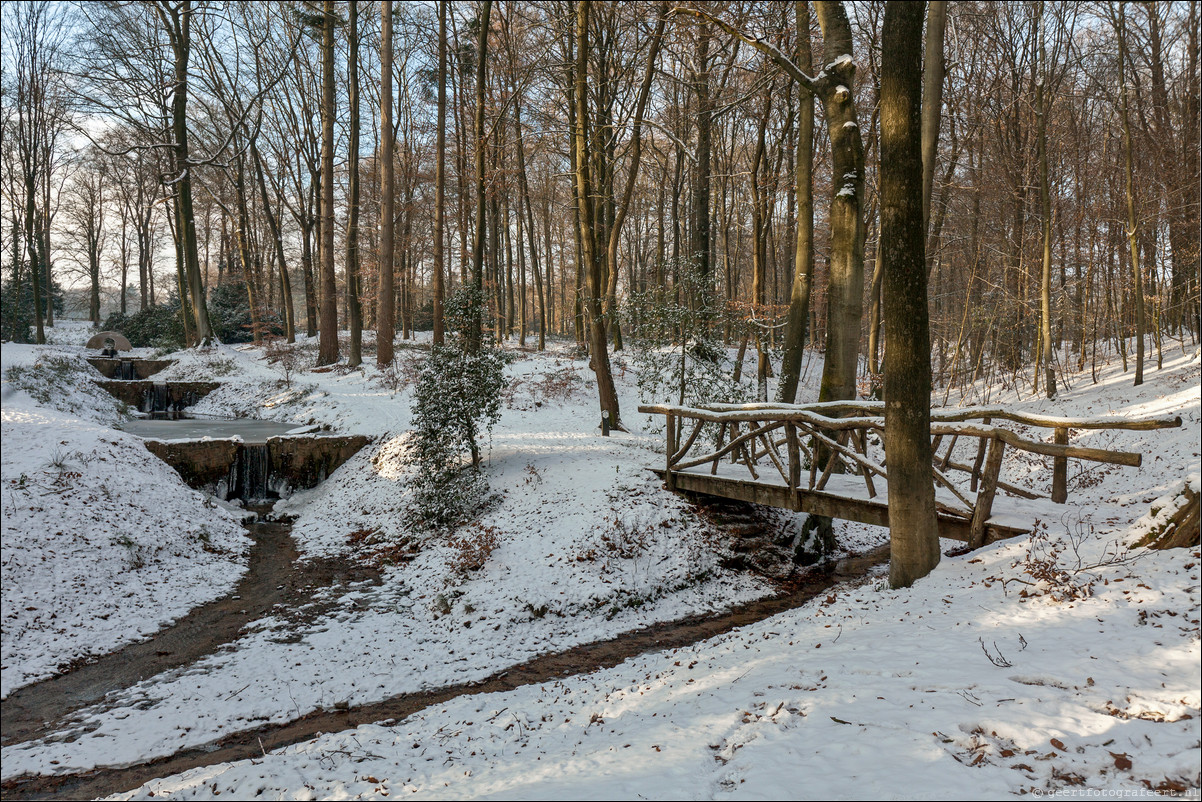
577	660
272	580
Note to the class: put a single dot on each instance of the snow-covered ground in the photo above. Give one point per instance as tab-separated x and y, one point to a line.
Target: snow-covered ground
868	692
103	544
582	545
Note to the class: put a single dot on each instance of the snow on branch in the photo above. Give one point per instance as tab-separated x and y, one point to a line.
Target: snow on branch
767	48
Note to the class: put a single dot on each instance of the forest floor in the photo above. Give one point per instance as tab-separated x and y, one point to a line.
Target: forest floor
961	685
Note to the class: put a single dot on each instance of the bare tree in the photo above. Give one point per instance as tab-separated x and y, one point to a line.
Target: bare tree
1120	26
386	300
833	87
327	345
33	42
803	255
476	331
355	312
440	178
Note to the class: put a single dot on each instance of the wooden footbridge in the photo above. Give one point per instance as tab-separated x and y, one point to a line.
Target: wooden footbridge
828	459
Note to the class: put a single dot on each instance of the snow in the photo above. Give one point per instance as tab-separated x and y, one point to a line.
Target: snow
1067	660
869	693
103	543
842	60
589	547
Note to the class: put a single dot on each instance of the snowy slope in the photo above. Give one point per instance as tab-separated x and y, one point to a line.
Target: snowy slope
870	692
963	686
103	544
586	546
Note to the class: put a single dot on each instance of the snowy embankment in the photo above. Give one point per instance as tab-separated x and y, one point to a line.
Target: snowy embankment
103	543
871	692
974	683
581	545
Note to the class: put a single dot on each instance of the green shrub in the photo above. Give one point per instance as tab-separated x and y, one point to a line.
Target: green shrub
456	400
160	326
16	309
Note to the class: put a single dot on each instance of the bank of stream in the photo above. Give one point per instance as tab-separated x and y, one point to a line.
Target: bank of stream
251	743
273	579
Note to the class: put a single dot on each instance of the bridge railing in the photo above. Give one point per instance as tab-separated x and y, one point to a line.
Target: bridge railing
806	444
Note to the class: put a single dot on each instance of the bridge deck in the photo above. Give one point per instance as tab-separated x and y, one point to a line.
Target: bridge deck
851	507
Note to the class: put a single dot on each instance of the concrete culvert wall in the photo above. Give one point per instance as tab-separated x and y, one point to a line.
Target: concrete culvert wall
221	467
202	464
144	368
181	393
302	461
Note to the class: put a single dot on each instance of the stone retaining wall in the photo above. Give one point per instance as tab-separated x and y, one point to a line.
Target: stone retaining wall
132	392
296	462
145	368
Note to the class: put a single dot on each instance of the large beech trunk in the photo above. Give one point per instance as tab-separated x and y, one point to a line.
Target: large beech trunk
913	527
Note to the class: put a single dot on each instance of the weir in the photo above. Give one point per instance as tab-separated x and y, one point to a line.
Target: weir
128	368
158	399
257	467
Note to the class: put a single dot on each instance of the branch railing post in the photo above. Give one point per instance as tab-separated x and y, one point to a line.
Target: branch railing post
669	479
976	465
983	509
1060	468
794	447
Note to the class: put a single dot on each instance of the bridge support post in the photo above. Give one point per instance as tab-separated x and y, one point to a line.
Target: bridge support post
984	505
1060	469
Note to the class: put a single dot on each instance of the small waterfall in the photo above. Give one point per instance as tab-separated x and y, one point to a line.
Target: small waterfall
250	474
157	401
126	371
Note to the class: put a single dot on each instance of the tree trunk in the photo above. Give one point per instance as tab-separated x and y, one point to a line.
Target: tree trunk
700	234
846	285
1045	201
440	155
327	344
803	255
244	257
385	298
913	527
531	233
622	208
33	246
475	334
932	101
598	348
1132	217
277	242
353	308
178	22
759	250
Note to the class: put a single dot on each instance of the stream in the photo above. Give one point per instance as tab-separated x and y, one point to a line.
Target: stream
272	580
